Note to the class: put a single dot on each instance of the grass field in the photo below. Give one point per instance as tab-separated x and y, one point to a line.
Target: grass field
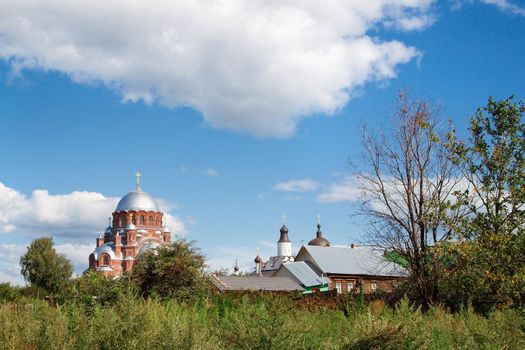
251	323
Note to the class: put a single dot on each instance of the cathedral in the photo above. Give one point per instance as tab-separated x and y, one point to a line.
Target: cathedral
136	226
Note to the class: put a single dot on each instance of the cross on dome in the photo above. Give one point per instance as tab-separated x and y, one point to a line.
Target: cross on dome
138	175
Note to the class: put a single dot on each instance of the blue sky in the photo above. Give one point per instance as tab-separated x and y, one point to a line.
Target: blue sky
241	113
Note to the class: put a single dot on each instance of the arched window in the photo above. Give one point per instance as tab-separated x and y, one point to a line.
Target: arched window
120	222
142	220
124	221
150	221
105	260
157	221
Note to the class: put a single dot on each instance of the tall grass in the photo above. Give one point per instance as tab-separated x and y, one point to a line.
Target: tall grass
250	323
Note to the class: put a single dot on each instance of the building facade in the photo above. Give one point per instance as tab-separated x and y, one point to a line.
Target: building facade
137	224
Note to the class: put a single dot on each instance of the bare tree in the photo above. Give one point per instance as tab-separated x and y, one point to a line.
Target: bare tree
407	183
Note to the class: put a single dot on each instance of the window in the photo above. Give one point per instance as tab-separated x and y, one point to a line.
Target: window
338	287
150	221
157	221
124	221
349	286
105	260
120	222
142	220
373	287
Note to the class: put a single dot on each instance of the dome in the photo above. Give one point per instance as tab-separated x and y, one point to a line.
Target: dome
319	240
109	229
137	200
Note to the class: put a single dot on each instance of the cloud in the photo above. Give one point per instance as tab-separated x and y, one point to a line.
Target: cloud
212	172
256	66
502	5
303	185
75	215
346	190
506	6
10	263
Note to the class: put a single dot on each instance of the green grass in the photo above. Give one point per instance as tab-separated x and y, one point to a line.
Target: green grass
250	322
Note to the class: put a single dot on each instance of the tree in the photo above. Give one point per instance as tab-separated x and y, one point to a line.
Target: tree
489	255
175	270
43	267
407	183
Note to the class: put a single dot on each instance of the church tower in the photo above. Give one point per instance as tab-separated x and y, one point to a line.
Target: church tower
136	226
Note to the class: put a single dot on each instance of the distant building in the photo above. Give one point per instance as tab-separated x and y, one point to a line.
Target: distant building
255	283
320	266
346	268
136	226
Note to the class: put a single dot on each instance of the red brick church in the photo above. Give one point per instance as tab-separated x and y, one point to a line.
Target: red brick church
137	225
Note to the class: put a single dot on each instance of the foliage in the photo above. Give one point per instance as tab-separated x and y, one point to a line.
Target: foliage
7	292
176	270
265	322
94	289
43	267
487	263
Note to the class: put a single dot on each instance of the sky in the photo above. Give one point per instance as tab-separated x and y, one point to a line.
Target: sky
235	111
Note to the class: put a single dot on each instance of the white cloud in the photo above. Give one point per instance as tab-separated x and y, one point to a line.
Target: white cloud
303	185
78	214
502	5
10	263
346	190
257	66
212	172
506	6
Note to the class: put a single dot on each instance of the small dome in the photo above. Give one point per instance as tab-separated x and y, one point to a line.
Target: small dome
166	229
319	240
109	229
137	200
284	235
258	259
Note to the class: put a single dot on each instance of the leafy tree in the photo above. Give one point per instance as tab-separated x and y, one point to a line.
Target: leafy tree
43	267
175	270
488	259
407	181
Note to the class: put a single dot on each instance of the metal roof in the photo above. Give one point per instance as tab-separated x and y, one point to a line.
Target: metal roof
137	200
353	261
255	283
304	273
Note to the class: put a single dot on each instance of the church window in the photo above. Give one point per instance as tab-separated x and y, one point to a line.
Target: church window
105	260
157	221
350	286
150	221
120	221
124	221
142	220
338	287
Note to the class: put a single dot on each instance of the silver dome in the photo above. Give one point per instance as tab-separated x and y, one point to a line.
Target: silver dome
137	200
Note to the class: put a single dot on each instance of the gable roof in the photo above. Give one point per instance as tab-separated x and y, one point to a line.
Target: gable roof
304	274
255	283
351	261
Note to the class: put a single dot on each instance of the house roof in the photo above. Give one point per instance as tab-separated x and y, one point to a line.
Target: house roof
306	276
353	261
255	283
